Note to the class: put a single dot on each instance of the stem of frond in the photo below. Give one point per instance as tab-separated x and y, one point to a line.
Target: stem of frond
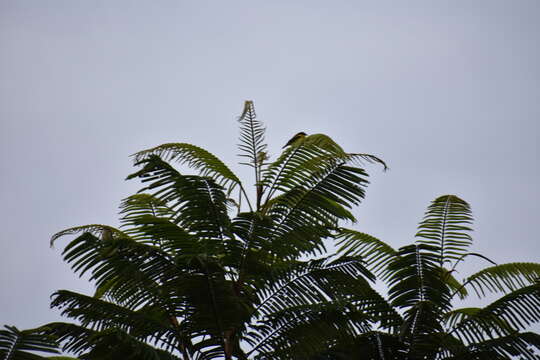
467	282
246	196
443	230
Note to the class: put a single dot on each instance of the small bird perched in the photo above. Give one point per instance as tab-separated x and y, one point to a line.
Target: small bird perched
295	138
106	234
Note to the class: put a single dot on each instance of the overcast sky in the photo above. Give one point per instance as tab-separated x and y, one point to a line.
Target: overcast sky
447	92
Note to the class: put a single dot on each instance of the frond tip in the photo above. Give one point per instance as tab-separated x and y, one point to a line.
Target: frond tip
104	232
251	135
445	225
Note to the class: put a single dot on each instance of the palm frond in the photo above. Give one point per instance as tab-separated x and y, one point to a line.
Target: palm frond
421	322
252	145
442	345
374	345
361	159
105	232
322	141
305	330
72	338
166	235
445	225
417	287
302	283
376	253
251	135
199	204
453	284
194	157
149	322
112	343
315	187
416	277
311	155
520	308
525	345
297	163
504	277
21	345
138	206
319	204
148	220
132	273
505	316
258	254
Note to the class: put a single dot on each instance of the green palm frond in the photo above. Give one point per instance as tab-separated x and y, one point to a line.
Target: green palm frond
129	271
138	206
374	345
292	167
416	277
72	338
520	308
361	159
376	253
419	328
309	286
315	154
148	220
105	232
416	286
252	146
441	345
22	345
445	225
196	158
258	253
297	163
504	277
316	188
166	235
456	287
304	282
505	316
147	322
302	331
322	141
112	344
525	345
251	136
199	204
319	204
326	143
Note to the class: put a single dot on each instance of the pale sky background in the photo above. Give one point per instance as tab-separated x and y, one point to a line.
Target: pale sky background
447	92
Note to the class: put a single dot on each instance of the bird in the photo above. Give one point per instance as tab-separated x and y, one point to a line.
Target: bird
106	234
295	138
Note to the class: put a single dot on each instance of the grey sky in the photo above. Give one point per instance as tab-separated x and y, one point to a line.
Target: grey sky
447	92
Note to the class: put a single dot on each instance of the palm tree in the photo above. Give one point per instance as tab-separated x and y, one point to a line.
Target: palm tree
200	269
422	289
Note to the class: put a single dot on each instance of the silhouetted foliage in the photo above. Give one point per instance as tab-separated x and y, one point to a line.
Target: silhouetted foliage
202	269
